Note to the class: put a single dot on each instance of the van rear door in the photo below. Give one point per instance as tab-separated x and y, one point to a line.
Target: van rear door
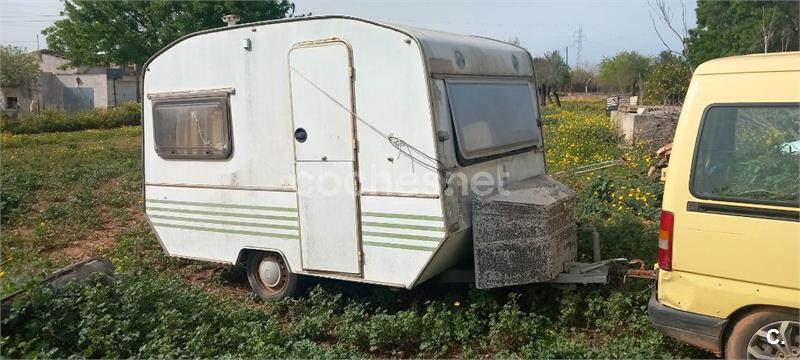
744	206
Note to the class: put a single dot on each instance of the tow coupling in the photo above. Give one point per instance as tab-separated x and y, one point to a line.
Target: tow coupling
636	270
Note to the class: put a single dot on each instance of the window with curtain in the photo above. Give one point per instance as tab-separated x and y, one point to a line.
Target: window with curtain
192	127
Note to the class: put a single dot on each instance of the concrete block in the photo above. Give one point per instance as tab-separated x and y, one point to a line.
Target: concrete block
654	127
523	234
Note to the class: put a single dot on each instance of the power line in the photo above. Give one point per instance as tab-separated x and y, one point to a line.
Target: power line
28	25
25	21
30	6
25	11
474	23
14	15
25	18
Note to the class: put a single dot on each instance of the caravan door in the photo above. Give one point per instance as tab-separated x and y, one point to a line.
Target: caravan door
325	156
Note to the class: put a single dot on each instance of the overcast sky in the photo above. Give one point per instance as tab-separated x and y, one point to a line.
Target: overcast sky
540	25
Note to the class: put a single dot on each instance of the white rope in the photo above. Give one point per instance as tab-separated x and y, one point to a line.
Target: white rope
591	167
395	141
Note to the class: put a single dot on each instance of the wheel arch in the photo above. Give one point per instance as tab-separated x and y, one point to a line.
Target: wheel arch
244	252
742	312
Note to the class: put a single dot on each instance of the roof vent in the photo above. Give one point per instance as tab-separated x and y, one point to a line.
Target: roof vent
460	61
231	19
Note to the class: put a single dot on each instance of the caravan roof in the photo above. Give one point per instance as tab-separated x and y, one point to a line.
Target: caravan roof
445	53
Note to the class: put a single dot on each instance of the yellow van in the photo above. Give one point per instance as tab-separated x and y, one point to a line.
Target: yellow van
729	240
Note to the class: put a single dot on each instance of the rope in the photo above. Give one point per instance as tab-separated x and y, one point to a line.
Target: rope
396	142
591	167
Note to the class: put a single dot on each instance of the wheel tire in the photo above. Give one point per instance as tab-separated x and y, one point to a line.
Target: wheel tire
270	277
749	335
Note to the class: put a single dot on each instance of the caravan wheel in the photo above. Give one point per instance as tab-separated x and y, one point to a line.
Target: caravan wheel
269	276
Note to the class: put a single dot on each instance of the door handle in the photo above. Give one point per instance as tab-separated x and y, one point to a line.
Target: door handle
300	135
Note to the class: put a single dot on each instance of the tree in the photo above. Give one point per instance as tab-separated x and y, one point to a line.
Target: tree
18	68
726	28
668	79
623	71
551	70
582	78
552	73
129	32
665	16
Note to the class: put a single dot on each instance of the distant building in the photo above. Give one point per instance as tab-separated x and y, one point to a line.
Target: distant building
71	89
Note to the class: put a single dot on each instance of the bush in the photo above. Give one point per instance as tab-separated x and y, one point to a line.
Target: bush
54	120
668	80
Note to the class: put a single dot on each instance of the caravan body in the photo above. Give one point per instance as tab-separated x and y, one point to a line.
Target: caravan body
345	146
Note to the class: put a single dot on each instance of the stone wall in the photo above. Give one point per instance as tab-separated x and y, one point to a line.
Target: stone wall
651	127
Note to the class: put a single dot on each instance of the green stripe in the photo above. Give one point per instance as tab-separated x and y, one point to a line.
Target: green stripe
403	236
402	216
397	246
402	226
230	206
200	212
228	231
224	222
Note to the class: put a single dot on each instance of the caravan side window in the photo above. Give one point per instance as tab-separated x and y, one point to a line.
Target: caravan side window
492	118
196	126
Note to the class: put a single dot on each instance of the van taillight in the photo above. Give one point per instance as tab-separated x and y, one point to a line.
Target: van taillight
665	240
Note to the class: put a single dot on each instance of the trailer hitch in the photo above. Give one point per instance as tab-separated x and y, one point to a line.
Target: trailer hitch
639	272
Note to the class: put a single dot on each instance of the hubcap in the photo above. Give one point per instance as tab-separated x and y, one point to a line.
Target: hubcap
778	340
270	272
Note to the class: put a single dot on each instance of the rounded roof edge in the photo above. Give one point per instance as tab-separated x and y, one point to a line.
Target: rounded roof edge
769	62
432	43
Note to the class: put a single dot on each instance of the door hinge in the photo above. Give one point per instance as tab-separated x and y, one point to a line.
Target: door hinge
355	184
355	144
351	72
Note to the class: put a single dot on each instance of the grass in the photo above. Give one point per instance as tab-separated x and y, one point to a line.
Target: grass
68	195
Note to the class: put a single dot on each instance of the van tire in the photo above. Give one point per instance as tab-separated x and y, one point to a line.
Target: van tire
745	329
270	277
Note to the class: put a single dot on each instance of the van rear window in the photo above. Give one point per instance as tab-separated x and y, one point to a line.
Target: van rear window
492	118
750	154
192	127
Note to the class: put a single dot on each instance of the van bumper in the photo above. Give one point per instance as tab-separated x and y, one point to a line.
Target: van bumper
694	329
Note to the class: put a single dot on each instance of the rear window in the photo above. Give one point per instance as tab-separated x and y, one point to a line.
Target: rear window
492	118
749	153
192	127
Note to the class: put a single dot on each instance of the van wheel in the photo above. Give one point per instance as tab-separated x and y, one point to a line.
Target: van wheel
269	276
765	334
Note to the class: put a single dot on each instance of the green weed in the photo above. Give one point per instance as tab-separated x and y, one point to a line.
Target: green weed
128	114
60	189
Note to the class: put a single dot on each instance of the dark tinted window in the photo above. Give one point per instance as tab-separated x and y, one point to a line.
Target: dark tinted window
492	117
749	154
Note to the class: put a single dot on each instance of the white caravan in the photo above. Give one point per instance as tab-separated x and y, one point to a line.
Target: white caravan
332	146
